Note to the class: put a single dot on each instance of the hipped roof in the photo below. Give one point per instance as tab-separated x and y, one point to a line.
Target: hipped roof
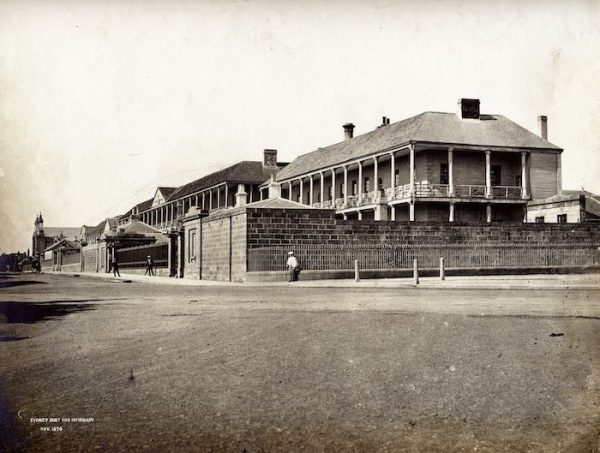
428	127
245	172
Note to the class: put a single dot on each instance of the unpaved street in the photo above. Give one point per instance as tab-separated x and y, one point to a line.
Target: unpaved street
173	368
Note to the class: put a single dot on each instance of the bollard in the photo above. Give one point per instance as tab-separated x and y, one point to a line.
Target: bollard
356	273
442	270
415	272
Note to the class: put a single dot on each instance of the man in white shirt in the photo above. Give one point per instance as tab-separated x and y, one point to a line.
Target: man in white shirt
293	267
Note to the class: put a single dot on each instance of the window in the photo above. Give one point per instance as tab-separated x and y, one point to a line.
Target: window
561	218
192	245
341	190
496	175
539	219
354	187
379	184
367	185
330	191
396	177
444	173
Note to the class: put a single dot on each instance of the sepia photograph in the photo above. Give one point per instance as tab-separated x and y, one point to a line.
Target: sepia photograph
300	225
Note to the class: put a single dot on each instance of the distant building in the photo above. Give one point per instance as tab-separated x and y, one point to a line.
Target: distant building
44	237
571	206
464	166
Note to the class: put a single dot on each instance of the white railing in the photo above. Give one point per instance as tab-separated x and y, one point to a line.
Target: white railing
421	190
370	197
398	192
425	190
507	192
324	205
352	201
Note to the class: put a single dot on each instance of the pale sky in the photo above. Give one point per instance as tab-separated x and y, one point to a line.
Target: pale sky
102	101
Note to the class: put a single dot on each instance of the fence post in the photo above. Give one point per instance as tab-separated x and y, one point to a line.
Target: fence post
442	270
356	273
415	272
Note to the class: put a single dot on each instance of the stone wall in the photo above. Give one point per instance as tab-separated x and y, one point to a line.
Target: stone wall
76	267
293	226
158	271
327	244
224	246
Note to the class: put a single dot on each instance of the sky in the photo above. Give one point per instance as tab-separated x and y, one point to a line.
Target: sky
103	101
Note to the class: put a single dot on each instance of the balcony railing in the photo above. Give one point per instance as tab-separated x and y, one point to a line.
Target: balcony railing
370	197
507	192
398	192
352	201
431	190
324	205
421	190
469	191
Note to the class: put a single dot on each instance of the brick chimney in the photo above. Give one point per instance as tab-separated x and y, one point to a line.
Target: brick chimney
543	121
348	131
270	158
468	108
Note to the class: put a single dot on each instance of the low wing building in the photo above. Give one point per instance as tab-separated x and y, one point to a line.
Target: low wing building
226	188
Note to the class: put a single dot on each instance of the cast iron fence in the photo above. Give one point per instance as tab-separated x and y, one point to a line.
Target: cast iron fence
383	256
136	256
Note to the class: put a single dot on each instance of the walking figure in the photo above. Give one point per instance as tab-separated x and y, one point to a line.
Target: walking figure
115	269
293	267
149	266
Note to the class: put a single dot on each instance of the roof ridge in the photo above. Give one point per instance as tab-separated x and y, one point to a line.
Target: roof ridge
420	116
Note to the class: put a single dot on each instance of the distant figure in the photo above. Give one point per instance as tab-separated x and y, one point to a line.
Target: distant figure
149	266
293	267
115	269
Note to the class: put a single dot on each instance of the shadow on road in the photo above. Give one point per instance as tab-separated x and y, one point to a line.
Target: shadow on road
9	284
29	312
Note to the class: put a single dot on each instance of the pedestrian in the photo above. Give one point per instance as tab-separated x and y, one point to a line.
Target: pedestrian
293	266
115	269
149	266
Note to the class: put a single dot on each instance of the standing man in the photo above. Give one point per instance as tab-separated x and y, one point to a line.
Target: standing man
115	267
149	266
293	267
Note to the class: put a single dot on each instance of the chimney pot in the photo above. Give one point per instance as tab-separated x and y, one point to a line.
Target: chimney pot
348	131
543	120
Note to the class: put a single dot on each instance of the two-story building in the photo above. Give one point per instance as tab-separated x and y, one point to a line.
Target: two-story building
464	166
218	190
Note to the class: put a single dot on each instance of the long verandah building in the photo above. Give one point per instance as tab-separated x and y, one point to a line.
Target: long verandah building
466	167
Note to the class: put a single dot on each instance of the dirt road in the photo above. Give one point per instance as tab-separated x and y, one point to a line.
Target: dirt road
169	368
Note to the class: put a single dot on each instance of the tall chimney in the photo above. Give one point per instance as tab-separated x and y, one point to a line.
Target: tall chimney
543	120
348	131
270	158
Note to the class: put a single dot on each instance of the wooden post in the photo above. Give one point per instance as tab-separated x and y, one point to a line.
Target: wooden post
442	270
356	272
415	272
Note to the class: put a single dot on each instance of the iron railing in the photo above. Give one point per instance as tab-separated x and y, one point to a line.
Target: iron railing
136	256
384	256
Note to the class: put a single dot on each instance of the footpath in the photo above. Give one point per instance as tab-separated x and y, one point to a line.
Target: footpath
540	281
